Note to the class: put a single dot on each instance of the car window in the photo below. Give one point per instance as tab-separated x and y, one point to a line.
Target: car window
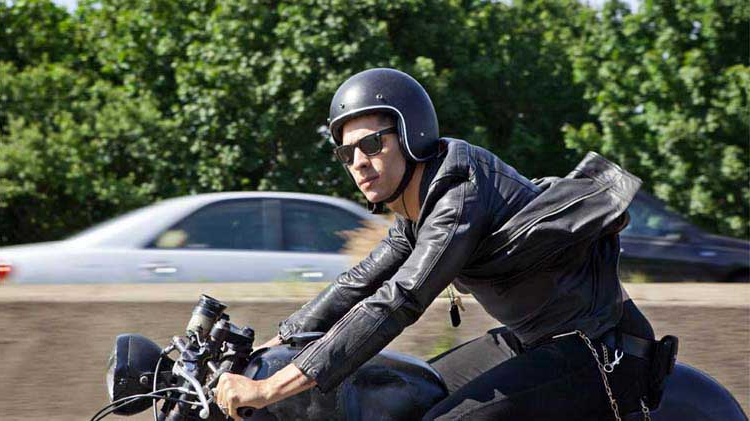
314	227
233	225
649	220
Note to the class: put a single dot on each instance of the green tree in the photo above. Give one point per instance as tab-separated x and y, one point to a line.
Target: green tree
75	150
35	31
669	88
249	84
127	102
234	92
514	82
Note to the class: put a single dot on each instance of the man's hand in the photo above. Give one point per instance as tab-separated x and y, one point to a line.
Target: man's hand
234	391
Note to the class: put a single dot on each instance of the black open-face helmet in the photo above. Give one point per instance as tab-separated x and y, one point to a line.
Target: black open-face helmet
394	92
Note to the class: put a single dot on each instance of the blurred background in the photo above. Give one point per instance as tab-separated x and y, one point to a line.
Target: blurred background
182	144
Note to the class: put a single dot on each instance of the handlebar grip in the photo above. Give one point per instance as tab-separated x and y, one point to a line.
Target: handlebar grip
245	412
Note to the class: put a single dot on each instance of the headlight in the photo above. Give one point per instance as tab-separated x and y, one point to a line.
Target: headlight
132	357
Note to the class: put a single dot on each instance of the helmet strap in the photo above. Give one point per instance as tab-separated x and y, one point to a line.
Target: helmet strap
379	208
376	208
406	210
408	172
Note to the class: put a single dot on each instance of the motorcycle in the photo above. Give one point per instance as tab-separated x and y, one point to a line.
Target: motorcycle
391	386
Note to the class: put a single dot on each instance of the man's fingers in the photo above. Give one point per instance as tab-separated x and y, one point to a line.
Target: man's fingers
232	411
231	403
219	389
227	395
217	395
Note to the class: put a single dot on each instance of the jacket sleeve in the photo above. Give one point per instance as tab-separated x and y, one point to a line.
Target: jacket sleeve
447	238
351	287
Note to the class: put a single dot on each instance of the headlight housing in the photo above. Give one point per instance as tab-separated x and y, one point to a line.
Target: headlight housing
132	357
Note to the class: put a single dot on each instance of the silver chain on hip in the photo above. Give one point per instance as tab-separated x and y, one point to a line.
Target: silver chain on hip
645	411
605	355
608	367
610	396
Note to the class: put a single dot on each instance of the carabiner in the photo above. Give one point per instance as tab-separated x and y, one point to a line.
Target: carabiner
610	367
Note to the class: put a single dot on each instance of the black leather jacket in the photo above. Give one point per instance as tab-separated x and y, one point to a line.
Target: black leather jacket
541	257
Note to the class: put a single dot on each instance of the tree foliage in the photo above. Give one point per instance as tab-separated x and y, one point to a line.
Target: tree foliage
669	87
75	151
123	103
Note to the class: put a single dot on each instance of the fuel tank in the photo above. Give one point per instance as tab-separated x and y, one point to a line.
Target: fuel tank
391	386
395	386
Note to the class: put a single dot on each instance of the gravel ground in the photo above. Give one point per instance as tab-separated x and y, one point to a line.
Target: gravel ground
57	340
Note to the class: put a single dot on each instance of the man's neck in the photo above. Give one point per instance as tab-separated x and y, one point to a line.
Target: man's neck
410	196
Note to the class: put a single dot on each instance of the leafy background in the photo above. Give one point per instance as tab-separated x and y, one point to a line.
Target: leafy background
120	103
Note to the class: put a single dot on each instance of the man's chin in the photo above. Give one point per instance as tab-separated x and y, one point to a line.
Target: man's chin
374	197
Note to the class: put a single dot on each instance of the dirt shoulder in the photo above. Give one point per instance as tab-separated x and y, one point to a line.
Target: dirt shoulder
682	294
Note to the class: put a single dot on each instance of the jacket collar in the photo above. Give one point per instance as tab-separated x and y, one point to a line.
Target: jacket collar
452	160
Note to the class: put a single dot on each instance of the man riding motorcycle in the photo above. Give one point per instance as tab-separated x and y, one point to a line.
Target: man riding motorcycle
540	256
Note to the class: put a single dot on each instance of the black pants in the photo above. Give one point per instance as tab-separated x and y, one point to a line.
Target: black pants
493	378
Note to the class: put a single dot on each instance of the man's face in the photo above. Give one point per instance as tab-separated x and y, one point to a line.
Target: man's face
376	176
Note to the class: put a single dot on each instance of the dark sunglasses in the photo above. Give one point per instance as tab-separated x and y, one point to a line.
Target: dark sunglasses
370	145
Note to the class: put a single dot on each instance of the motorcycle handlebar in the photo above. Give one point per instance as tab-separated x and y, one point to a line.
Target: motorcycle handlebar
245	412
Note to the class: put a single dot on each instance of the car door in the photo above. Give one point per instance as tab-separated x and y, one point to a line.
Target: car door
659	244
225	241
313	235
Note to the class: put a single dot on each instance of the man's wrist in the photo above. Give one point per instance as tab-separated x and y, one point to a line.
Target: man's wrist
284	383
267	391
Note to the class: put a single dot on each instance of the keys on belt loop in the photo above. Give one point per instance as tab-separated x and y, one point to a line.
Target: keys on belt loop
455	305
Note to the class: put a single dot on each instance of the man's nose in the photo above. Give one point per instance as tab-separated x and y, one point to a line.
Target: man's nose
360	159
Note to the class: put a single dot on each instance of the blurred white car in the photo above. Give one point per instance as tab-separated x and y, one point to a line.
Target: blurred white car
219	237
